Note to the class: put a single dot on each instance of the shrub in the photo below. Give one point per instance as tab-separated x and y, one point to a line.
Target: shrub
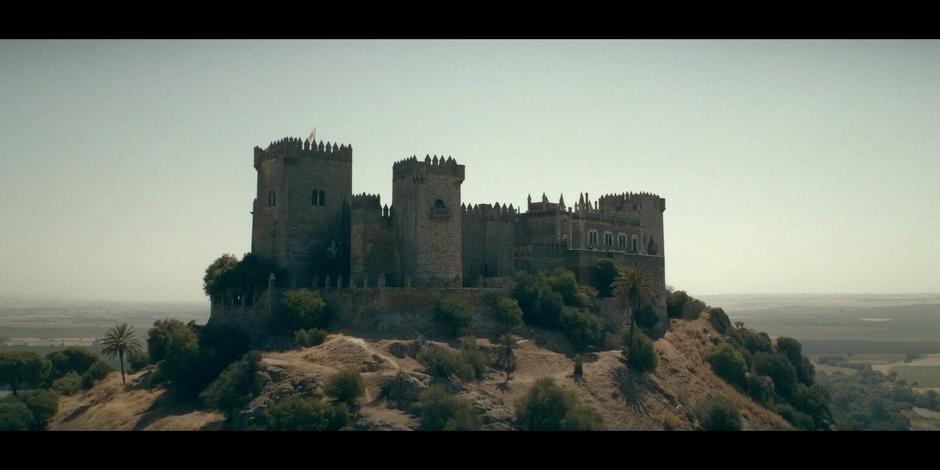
441	411
95	373
798	419
675	303
548	407
68	384
719	320
760	388
71	359
779	369
299	309
583	329
728	364
508	313
42	404
642	356
14	415
454	314
188	368
237	385
751	340
814	401
603	274
646	316
578	367
306	414
716	414
138	360
345	386
310	337
441	362
471	353
23	368
402	390
159	336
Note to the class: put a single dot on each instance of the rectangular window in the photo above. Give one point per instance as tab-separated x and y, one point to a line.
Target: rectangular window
315	199
322	198
272	199
608	239
633	246
622	241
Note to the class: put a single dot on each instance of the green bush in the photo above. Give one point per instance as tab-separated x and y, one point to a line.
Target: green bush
508	313
793	350
299	309
471	353
454	314
642	356
95	373
578	367
310	337
814	401
728	364
675	303
42	404
778	368
646	316
719	320
14	415
71	359
237	385
23	369
583	329
548	407
345	386
716	414
603	274
159	336
798	419
306	414
441	362
441	411
68	384
760	388
138	360
752	341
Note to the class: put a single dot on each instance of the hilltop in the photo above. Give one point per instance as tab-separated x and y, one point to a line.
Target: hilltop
682	380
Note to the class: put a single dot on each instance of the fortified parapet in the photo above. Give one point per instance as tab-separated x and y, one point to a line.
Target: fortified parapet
373	247
426	198
301	211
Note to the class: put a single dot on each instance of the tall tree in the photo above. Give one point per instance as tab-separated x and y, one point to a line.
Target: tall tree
118	341
631	288
22	368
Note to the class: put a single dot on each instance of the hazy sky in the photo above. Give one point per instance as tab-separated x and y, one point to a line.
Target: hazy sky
787	166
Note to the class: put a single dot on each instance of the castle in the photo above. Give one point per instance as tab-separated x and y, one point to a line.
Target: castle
306	221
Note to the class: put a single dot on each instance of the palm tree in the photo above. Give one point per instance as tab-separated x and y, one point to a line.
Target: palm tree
630	288
118	341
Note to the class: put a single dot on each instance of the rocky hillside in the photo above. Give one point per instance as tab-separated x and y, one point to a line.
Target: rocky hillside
681	382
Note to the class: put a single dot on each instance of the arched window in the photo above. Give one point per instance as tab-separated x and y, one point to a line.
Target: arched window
633	244
272	198
608	239
439	204
622	241
592	237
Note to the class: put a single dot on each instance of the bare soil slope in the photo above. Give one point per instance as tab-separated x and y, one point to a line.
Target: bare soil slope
681	382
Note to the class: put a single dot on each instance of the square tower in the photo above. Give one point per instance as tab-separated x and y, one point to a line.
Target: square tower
427	217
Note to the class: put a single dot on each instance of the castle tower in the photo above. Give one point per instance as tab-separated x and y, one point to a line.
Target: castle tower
426	198
300	220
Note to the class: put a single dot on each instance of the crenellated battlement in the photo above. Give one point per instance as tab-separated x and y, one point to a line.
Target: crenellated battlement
296	147
627	201
489	211
366	201
429	166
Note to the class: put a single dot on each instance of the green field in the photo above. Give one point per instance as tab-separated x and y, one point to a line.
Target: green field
925	376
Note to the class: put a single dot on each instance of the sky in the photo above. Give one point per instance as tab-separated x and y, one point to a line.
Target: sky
787	166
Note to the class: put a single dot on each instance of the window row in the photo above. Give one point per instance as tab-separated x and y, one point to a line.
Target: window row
609	240
317	198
